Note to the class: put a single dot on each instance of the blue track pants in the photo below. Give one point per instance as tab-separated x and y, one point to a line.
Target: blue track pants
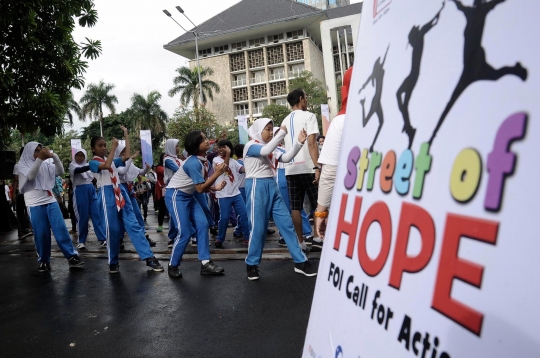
86	207
225	205
263	200
45	218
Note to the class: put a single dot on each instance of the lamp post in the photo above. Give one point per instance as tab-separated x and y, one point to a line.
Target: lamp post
196	48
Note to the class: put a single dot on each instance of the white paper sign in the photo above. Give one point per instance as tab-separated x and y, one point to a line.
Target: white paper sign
76	145
243	129
325	114
433	240
146	147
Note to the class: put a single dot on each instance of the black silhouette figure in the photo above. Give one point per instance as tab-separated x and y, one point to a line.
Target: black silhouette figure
475	66
377	81
404	93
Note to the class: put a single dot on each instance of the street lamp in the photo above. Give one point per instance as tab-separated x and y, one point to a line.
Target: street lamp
196	48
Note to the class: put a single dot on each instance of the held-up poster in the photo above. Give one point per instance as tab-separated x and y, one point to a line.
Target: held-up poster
146	147
325	115
76	145
432	244
243	129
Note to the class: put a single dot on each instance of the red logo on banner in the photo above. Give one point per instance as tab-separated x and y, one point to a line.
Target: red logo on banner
379	6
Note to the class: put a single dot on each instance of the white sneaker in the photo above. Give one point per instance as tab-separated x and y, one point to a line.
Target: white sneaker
81	246
103	244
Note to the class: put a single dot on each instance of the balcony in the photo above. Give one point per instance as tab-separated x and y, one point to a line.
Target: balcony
241	112
258	110
277	76
240	82
257	79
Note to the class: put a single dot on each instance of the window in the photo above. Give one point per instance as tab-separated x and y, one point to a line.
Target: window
275	38
258	107
241	109
295	34
257	77
295	70
239	80
221	49
277	73
280	101
238	45
205	53
256	42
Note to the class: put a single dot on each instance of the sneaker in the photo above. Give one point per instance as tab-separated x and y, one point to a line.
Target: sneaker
245	242
218	244
308	240
103	244
75	261
114	268
159	229
170	244
238	235
281	242
306	251
214	231
174	272
26	234
305	269
211	269
317	244
73	232
270	232
154	264
193	242
81	246
150	241
44	267
253	272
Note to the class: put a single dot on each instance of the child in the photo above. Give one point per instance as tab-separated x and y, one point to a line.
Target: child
230	196
171	164
85	200
112	198
36	181
264	198
185	208
160	193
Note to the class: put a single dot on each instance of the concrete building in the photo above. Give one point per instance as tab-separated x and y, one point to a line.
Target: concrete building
325	4
257	46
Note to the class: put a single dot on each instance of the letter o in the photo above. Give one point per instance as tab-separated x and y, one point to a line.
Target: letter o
466	175
377	212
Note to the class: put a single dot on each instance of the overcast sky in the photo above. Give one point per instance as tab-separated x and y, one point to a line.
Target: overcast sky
132	34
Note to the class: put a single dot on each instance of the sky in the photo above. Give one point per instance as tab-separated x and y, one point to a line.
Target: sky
132	34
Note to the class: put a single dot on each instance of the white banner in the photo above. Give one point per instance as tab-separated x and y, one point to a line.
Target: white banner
76	145
432	246
146	147
243	129
325	115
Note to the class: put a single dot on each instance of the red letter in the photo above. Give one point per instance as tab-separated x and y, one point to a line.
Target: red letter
451	266
349	228
378	212
412	215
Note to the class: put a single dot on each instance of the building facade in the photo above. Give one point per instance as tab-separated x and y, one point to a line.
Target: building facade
325	4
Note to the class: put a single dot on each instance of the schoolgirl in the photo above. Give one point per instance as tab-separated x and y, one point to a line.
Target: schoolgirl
171	164
85	200
184	207
36	181
264	198
115	208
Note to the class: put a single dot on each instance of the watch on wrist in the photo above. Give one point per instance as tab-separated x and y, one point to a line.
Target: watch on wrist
316	168
321	214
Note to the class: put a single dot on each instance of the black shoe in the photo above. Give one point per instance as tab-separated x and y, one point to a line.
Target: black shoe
317	245
214	231
154	264
306	251
174	272
170	244
270	232
305	269
238	236
281	242
211	269
26	234
218	244
114	268
44	267
122	247
150	241
308	240
253	272
75	261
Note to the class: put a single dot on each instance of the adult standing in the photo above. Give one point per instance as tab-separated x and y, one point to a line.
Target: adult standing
152	180
302	172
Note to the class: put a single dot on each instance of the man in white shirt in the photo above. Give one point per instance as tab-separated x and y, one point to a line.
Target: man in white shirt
302	172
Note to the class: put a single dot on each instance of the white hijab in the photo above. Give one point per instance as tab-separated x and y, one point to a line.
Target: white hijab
74	164
170	147
132	172
46	177
255	131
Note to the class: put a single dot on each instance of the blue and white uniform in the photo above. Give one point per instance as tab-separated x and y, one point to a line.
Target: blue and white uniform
36	181
85	199
112	216
185	209
171	164
263	195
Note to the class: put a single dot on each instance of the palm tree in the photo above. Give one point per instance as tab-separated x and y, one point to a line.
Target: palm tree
187	82
146	113
93	100
72	107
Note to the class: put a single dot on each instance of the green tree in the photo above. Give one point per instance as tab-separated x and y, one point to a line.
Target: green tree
40	62
146	113
187	83
276	112
72	107
62	147
93	100
184	121
315	91
111	127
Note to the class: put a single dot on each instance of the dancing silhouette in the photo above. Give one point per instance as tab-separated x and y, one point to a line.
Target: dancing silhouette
377	81
475	66
404	93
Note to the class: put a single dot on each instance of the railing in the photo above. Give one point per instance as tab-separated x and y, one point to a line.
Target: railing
277	76
241	112
258	79
241	82
294	73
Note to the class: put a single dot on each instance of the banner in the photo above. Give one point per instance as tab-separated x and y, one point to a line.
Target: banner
76	145
325	114
243	129
146	147
432	244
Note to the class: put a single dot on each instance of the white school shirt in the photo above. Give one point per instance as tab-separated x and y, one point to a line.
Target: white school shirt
294	122
232	188
169	163
103	177
188	176
332	143
35	197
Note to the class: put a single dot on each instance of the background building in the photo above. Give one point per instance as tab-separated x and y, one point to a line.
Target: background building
255	47
325	4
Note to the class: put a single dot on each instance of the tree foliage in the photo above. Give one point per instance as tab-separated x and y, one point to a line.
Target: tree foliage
95	97
315	91
146	113
276	112
40	62
187	83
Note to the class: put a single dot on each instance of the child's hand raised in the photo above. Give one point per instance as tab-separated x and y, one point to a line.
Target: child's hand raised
124	129
221	168
135	155
114	143
302	136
